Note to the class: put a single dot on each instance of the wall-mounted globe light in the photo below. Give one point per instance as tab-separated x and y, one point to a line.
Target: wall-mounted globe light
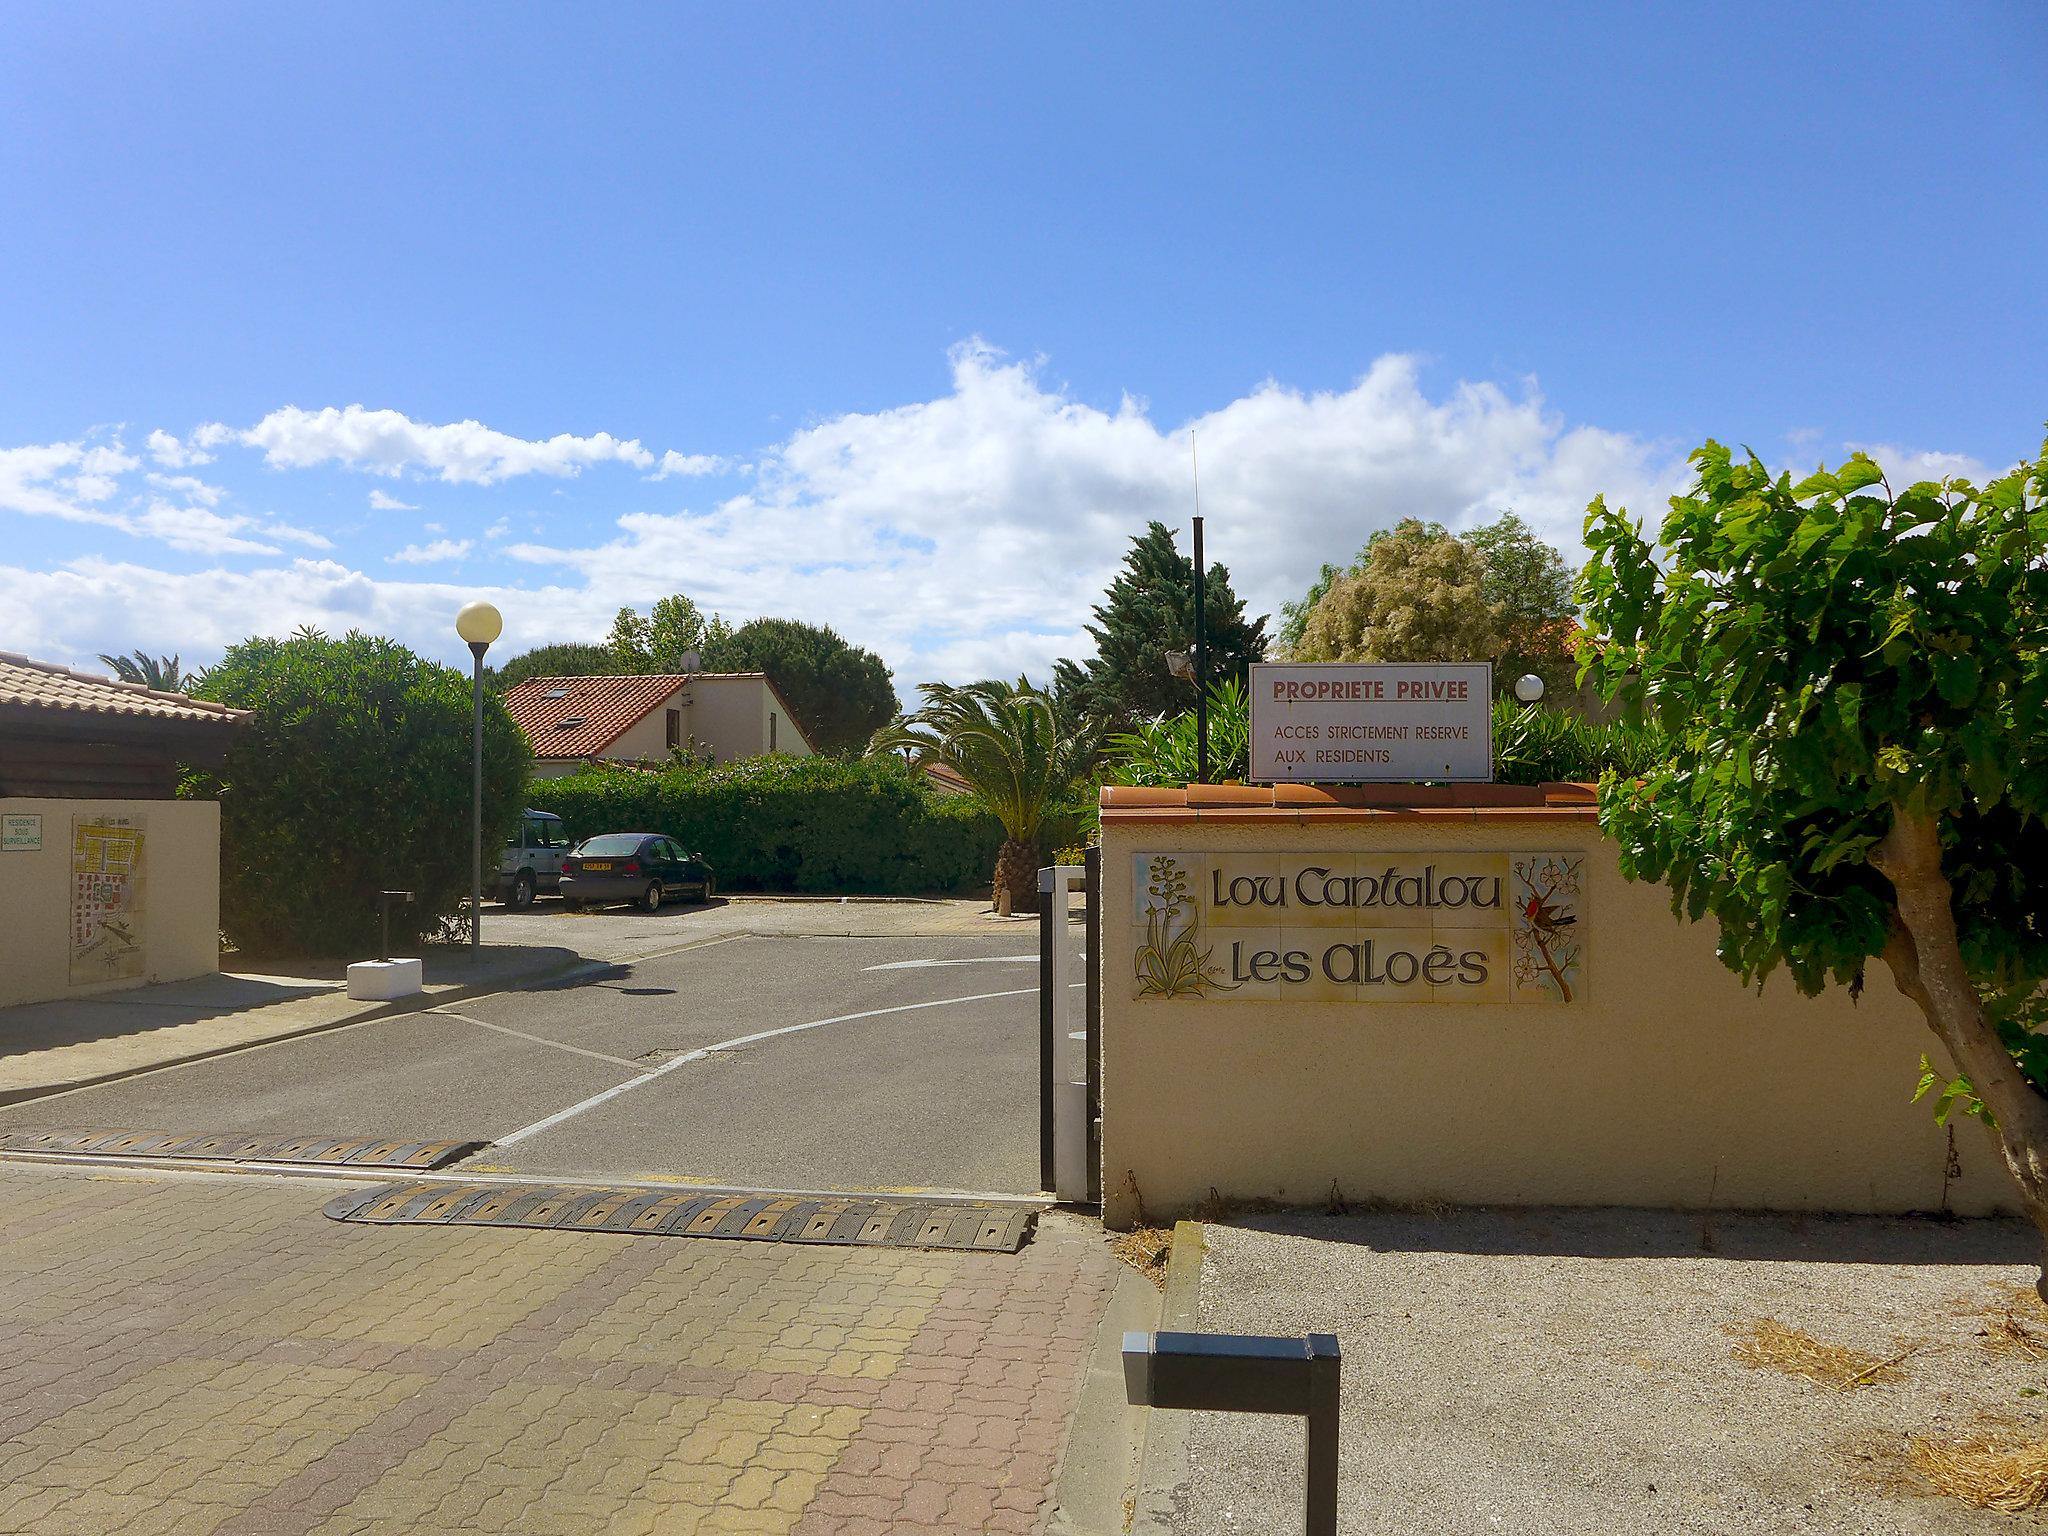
1529	688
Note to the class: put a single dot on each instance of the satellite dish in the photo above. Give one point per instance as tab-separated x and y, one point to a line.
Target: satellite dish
692	661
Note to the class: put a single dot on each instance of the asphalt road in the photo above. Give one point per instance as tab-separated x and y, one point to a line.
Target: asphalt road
917	1076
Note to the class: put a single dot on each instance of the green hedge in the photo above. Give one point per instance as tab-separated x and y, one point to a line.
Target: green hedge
813	824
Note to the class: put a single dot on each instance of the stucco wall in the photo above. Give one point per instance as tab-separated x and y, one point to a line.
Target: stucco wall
181	906
1665	1083
727	715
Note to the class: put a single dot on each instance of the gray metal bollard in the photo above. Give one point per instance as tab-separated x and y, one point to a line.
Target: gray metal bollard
1246	1373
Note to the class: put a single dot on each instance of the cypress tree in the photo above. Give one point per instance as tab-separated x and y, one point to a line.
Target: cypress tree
1148	611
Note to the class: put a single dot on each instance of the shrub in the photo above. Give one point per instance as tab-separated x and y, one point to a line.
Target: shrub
1530	746
1539	746
865	826
353	777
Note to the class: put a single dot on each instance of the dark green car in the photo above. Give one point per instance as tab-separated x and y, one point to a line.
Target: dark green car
645	868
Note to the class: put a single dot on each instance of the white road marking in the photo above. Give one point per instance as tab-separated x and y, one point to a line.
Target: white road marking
915	965
734	1044
520	1034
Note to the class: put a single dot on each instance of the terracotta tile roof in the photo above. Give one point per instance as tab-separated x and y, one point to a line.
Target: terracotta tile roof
43	685
581	716
1358	802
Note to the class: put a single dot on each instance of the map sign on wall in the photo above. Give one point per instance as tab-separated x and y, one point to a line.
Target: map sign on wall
1360	928
107	899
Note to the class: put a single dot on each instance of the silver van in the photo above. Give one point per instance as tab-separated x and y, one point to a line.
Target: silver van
532	860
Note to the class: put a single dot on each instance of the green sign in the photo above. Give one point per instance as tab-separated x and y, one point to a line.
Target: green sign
21	834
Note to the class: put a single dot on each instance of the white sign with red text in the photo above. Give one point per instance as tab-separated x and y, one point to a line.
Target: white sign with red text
1357	722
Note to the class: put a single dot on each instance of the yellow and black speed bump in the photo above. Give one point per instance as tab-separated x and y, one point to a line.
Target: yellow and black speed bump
234	1147
851	1220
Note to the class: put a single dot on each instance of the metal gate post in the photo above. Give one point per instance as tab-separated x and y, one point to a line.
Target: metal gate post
1048	1020
1064	1081
1091	864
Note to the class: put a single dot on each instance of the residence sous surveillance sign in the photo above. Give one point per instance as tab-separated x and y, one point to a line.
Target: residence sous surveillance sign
1381	927
1349	723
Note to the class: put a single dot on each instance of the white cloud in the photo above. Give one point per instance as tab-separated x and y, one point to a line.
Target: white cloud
187	486
389	443
64	480
675	464
428	554
83	607
967	535
170	453
380	502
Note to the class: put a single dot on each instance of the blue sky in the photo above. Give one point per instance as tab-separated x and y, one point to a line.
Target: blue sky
899	318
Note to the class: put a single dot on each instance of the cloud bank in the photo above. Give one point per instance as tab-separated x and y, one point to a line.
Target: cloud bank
963	536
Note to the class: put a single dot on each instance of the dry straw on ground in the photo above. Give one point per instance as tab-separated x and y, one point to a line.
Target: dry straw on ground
1770	1345
1145	1250
1989	1471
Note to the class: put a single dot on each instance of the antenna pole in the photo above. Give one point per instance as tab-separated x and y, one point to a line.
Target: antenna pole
1201	643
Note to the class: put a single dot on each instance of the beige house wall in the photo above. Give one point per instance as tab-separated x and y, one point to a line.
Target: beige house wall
726	715
1667	1083
181	908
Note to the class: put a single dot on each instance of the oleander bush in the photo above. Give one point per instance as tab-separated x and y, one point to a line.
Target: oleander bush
816	825
352	777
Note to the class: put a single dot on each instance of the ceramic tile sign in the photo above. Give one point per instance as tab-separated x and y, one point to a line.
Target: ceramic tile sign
1224	926
1360	722
107	894
21	833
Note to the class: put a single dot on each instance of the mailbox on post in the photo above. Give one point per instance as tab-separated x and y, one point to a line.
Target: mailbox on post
1245	1373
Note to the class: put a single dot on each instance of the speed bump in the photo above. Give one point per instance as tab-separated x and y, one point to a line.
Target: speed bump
838	1220
239	1147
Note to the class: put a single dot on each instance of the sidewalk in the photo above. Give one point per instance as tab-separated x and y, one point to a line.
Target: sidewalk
191	1355
48	1047
1551	1371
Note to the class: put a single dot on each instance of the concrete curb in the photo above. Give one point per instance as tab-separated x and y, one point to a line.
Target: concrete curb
1163	1461
393	1009
1105	1439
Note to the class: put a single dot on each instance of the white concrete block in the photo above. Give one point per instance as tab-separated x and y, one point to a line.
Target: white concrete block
377	980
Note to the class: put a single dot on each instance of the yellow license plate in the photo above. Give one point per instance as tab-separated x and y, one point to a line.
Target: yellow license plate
590	864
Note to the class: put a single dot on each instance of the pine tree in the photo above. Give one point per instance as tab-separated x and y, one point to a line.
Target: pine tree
1148	611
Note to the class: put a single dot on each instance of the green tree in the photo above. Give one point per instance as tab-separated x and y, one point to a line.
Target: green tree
570	658
841	694
1528	589
663	639
163	673
1148	611
352	777
1854	681
1004	740
1419	594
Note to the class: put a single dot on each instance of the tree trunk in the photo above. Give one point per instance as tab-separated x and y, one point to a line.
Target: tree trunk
1926	961
1016	881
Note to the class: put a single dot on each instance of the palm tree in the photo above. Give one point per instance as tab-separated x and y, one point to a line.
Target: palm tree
1004	739
162	673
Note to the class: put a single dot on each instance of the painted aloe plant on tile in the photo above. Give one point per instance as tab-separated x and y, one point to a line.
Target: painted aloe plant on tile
1172	961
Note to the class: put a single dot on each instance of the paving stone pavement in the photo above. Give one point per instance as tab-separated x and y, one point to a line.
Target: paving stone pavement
210	1354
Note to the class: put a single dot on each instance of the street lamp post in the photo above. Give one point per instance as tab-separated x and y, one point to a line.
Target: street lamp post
1201	668
479	624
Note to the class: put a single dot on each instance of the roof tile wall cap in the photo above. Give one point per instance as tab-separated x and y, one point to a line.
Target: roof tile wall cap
1204	797
100	680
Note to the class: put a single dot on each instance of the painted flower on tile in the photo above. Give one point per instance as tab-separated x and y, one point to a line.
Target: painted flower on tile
1548	945
1173	962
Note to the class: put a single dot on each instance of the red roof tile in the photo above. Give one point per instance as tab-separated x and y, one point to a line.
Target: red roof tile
601	709
44	685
